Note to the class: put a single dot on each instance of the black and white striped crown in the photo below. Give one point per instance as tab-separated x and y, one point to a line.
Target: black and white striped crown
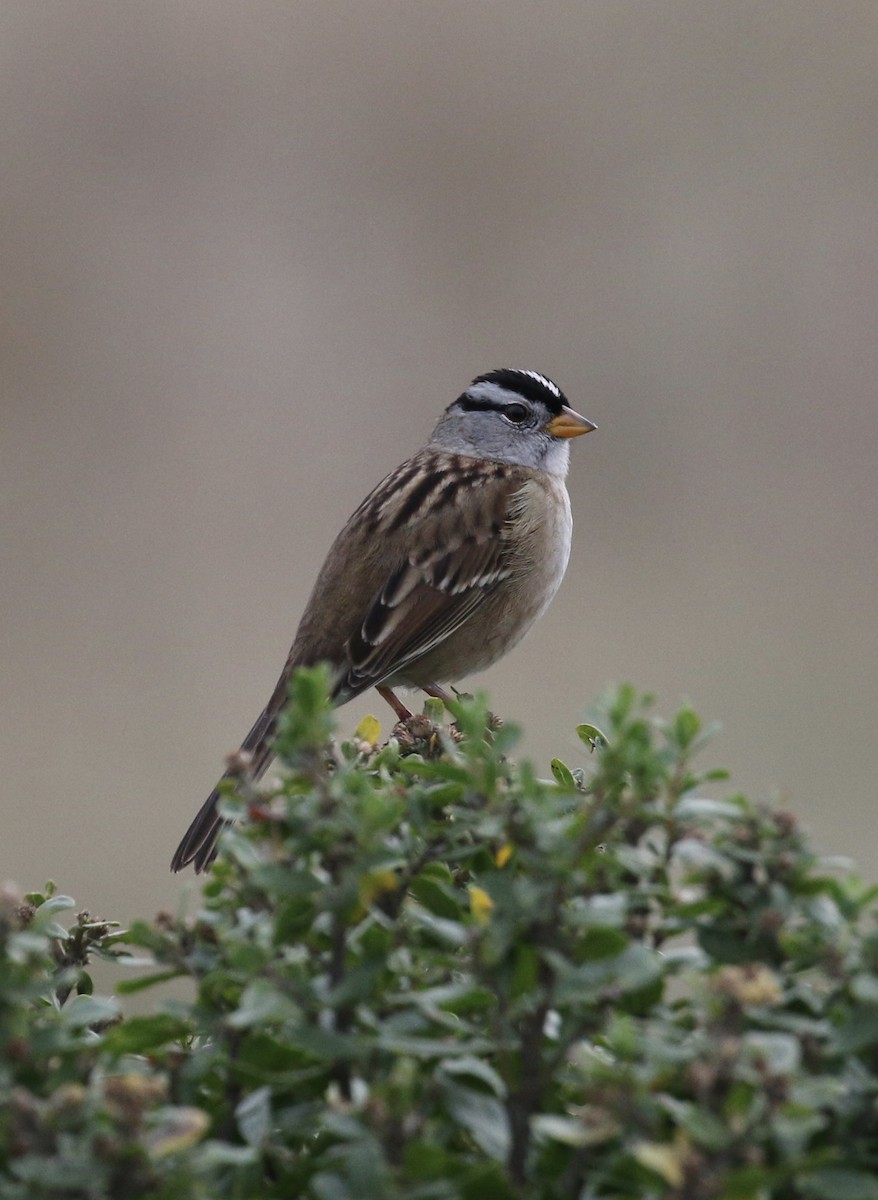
538	389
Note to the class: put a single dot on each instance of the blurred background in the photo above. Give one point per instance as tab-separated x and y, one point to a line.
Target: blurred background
250	251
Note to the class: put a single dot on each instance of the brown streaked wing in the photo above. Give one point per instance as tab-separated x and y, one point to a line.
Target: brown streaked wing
461	550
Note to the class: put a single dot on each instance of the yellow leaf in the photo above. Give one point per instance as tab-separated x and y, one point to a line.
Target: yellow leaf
750	983
375	883
179	1130
667	1159
480	904
369	730
503	855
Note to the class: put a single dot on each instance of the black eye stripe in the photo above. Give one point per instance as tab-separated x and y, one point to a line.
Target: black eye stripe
469	404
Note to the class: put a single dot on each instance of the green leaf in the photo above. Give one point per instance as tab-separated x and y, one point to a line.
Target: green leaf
725	946
458	998
700	807
858	1028
567	1130
475	1068
438	898
838	1183
703	1126
697	856
327	1185
635	968
602	911
324	1045
53	904
602	942
127	987
592	736
253	1115
486	1181
445	932
52	1176
262	1001
426	1048
864	987
146	1034
425	1160
563	774
526	965
780	1053
213	1155
687	726
85	1011
482	1117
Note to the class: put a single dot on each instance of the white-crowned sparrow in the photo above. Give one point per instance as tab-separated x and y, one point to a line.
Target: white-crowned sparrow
442	568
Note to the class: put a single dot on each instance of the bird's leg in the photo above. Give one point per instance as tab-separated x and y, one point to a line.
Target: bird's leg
402	713
438	693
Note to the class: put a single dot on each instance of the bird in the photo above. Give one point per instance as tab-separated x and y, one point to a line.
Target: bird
442	569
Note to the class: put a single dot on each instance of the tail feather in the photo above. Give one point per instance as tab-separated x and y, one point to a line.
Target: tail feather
198	845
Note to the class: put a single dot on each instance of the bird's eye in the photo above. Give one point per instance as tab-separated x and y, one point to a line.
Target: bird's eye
515	413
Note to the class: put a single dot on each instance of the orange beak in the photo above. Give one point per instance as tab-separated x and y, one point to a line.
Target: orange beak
569	424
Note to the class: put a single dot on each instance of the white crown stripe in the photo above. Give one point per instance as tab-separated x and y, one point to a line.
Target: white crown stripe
547	383
503	390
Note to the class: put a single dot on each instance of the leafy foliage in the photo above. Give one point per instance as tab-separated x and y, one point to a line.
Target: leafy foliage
420	971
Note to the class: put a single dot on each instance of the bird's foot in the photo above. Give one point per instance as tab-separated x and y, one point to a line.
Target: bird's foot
418	734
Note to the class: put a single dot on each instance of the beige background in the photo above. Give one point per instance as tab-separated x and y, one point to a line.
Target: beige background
251	249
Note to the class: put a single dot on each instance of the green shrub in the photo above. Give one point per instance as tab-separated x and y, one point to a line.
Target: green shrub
419	971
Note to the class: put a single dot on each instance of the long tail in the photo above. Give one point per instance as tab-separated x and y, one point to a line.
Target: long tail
199	842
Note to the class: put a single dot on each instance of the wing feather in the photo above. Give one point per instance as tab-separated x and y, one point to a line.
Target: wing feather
461	550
